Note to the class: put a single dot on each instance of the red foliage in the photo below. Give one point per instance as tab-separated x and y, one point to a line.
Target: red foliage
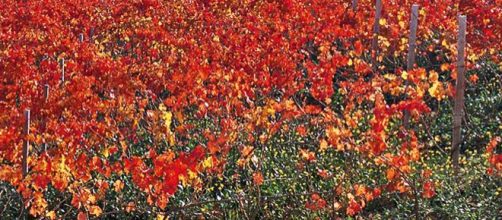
144	65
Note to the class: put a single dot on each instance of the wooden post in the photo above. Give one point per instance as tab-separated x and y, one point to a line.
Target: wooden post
46	92
61	62
376	31
46	99
81	37
458	109
354	5
413	36
26	144
411	51
91	34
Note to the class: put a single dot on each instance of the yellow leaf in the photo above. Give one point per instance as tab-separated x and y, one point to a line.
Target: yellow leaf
208	163
472	57
39	204
401	24
162	107
382	21
91	199
95	210
385	42
445	67
161	217
166	116
171	139
389	76
323	145
437	138
192	175
444	43
437	90
183	180
51	215
270	110
106	153
62	167
422	12
118	185
216	38
433	76
404	75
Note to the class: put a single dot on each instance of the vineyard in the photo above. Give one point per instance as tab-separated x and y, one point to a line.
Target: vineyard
277	109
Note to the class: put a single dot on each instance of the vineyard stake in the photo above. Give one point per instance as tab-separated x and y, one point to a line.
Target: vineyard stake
91	34
46	98
46	92
458	109
62	70
81	37
411	51
412	37
26	143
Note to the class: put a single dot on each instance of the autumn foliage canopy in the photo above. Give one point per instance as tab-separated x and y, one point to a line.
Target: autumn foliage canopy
162	92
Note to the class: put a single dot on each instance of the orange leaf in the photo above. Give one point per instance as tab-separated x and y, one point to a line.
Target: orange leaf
354	208
258	178
391	173
82	216
473	78
131	206
118	185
